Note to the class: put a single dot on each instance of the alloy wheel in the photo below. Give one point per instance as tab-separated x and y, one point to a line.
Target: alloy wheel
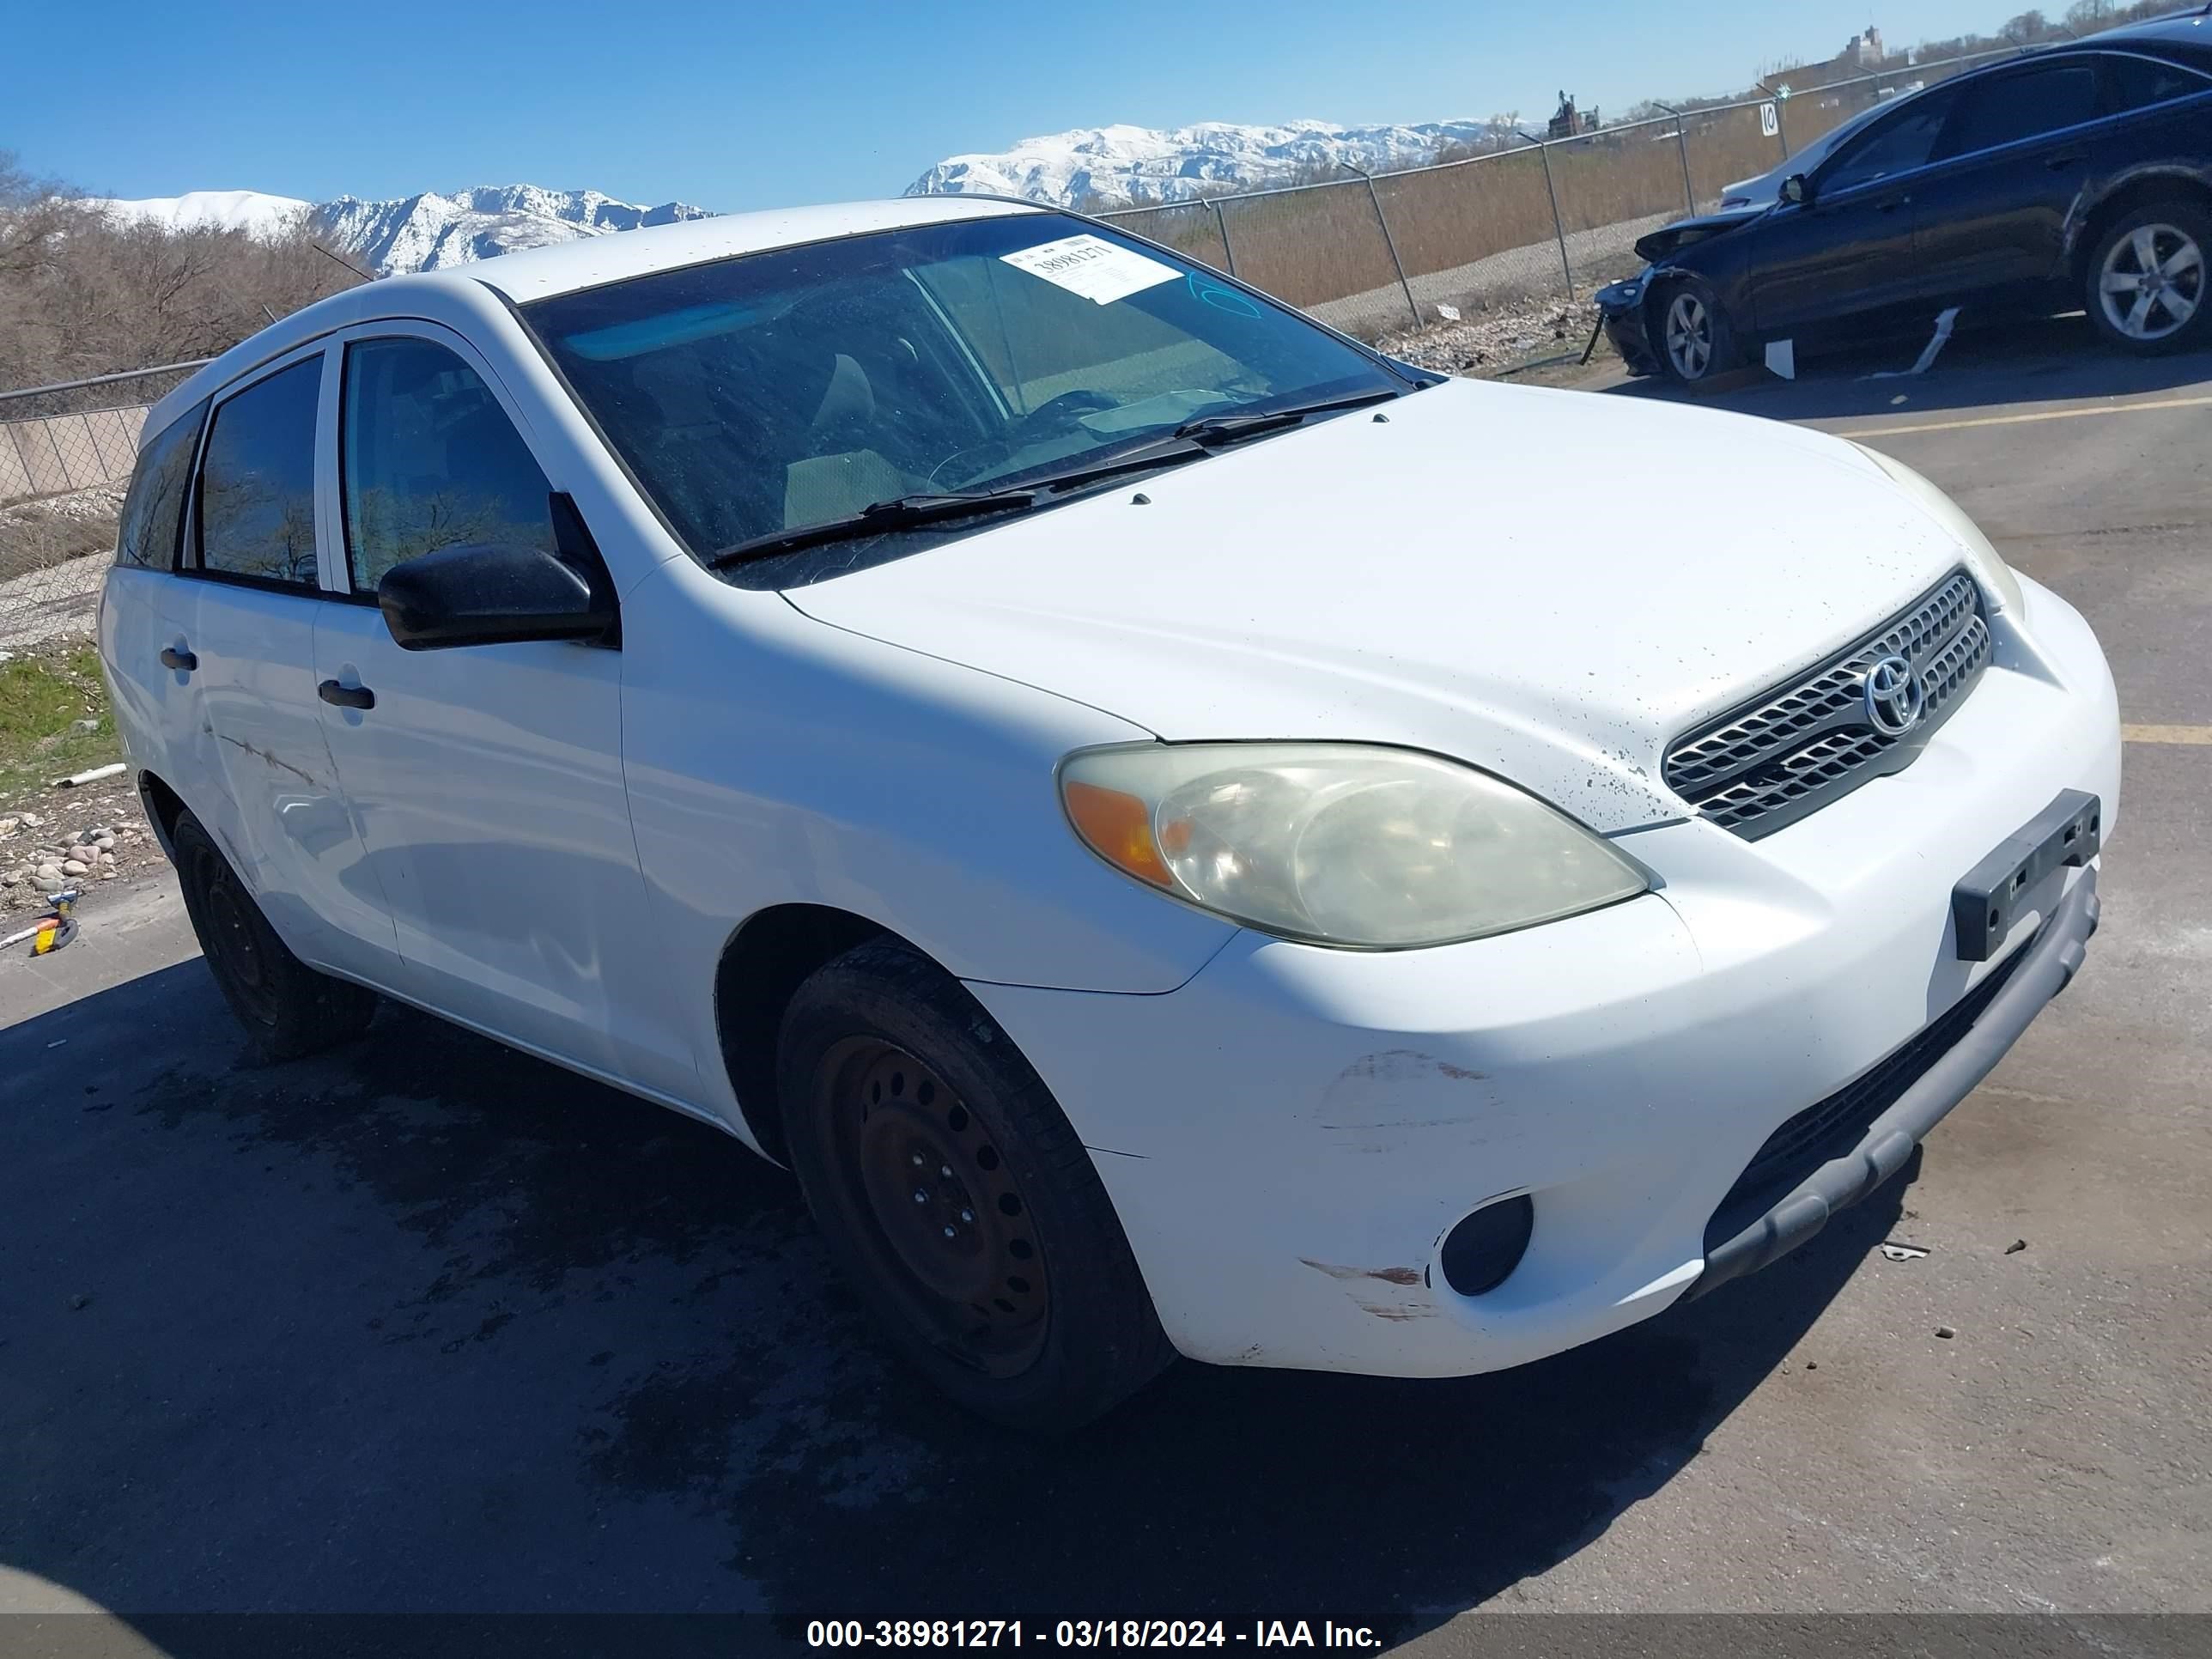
939	1207
1689	335
2151	282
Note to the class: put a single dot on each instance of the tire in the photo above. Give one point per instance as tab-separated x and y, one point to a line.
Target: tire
2172	311
956	1198
288	1009
1705	345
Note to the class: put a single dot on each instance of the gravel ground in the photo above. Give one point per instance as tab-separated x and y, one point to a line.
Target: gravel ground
1491	342
73	839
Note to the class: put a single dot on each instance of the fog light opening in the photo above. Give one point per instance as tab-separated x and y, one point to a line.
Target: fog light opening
1482	1251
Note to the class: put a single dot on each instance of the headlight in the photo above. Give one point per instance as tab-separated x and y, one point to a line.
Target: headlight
1339	844
1988	565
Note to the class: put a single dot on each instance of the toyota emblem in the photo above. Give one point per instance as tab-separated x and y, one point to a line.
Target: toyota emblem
1895	698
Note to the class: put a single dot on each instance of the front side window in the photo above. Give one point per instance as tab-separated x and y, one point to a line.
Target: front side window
256	502
1902	143
796	387
153	508
429	460
2008	108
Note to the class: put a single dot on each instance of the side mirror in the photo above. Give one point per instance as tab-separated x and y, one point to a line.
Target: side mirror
1797	190
490	593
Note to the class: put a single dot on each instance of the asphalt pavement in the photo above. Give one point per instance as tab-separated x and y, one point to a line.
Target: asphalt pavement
426	1326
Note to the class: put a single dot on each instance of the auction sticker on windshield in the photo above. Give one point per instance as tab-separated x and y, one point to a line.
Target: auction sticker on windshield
1091	266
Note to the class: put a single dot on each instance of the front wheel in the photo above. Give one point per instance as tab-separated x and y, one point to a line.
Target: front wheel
2146	287
287	1007
1695	341
956	1198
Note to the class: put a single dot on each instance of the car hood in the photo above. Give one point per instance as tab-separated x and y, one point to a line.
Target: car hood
1537	582
1667	239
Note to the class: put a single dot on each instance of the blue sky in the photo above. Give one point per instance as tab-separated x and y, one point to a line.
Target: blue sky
748	105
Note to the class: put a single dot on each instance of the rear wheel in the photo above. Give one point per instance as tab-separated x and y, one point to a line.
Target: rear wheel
2146	279
957	1197
287	1007
1695	341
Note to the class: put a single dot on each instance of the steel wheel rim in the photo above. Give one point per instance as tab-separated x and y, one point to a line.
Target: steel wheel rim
232	945
2152	282
938	1207
1689	335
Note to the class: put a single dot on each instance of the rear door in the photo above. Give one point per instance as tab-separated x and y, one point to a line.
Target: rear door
486	780
147	617
253	558
1993	209
1845	257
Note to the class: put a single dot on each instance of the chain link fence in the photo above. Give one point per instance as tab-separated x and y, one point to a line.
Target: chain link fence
1536	219
66	452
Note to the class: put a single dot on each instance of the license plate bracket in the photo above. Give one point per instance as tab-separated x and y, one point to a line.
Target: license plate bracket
2066	832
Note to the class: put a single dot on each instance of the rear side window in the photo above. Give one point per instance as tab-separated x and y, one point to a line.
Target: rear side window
257	503
2139	82
153	509
430	460
2011	108
1902	143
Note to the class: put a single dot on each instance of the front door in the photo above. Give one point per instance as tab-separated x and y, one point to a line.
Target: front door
1845	258
1994	208
486	780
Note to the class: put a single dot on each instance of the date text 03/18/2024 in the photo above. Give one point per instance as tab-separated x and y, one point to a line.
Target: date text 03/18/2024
941	1633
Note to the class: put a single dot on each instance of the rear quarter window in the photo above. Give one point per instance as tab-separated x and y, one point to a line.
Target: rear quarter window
154	506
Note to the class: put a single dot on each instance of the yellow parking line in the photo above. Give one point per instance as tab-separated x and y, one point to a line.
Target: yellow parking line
2193	734
2037	414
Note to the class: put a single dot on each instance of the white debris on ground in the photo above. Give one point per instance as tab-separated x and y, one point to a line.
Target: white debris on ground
1490	341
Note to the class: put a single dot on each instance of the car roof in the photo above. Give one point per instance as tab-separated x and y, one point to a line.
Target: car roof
587	262
2193	25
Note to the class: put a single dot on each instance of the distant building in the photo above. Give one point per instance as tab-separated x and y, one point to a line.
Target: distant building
1567	120
1864	50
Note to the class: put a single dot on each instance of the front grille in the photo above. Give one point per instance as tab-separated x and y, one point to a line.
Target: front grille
1829	1128
1794	749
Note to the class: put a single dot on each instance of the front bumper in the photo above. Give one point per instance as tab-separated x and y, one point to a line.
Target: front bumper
1289	1137
1621	308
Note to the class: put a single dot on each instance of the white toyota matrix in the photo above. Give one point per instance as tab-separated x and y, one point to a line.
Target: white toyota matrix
1131	795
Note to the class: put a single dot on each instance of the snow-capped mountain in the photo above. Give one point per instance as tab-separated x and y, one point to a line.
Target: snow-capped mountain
430	231
414	232
212	210
1141	165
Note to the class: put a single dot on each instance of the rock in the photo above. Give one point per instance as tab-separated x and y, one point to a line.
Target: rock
105	841
1945	1332
47	871
9	825
108	873
76	867
87	725
32	820
14	879
47	883
2015	1247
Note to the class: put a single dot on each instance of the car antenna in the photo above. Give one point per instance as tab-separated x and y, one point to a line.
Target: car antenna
365	277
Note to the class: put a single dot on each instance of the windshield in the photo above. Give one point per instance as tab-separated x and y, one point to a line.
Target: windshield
795	387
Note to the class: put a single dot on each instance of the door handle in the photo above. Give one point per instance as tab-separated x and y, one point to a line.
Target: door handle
346	696
2060	163
1893	204
183	661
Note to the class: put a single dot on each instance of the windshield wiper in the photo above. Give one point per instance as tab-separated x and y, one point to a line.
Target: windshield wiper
899	513
1228	429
